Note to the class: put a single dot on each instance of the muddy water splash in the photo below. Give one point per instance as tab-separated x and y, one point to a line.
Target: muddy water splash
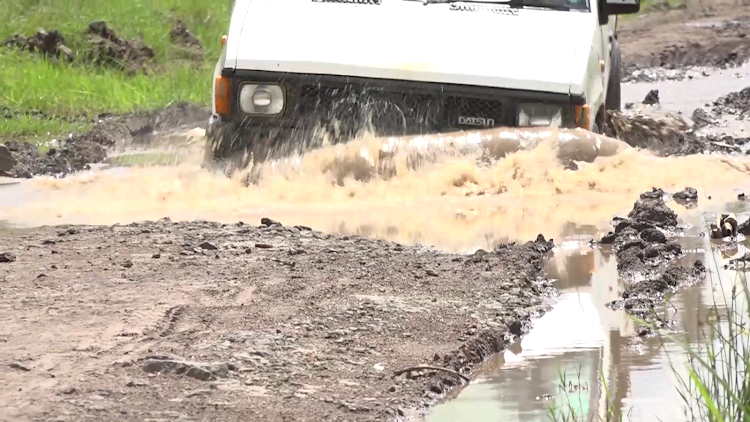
454	195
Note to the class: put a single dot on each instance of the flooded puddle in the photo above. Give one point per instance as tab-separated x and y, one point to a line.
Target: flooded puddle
585	356
686	95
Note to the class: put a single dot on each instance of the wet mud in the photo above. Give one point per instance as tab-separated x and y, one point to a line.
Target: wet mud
647	255
310	326
111	133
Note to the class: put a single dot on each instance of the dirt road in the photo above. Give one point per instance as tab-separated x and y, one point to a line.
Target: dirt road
259	321
713	36
201	321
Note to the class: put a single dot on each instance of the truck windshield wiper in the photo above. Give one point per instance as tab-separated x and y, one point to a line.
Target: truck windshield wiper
510	2
517	3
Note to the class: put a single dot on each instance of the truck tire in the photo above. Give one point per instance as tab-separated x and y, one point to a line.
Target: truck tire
613	100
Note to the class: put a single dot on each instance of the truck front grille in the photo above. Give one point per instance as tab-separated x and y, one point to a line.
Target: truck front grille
352	108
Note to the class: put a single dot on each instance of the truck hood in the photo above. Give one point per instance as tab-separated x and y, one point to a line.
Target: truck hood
529	49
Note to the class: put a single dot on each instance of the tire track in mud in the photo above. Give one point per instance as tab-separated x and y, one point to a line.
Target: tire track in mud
172	317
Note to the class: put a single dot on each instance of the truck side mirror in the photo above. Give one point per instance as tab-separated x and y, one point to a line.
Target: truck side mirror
621	7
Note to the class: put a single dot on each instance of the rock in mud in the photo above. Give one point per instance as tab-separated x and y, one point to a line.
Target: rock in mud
208	246
7	161
50	44
652	98
267	222
687	195
177	366
6	257
107	49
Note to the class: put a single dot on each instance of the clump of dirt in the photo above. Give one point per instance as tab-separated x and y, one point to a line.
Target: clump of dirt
107	49
189	45
50	44
110	133
646	256
312	326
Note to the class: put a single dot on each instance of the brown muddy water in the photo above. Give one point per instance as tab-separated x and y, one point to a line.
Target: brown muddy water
458	202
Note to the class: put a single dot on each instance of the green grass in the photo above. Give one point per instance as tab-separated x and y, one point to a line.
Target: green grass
30	128
717	387
30	82
571	402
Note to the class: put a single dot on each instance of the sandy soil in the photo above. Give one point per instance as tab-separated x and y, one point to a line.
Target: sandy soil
164	321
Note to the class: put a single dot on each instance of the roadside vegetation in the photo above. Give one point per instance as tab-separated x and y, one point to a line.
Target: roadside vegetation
716	387
713	384
43	95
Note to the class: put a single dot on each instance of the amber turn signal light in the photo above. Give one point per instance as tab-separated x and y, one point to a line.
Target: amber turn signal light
223	40
583	118
221	97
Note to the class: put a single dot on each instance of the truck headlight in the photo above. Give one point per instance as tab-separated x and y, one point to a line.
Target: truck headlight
540	115
266	99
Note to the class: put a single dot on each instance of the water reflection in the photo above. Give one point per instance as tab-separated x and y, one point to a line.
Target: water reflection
588	343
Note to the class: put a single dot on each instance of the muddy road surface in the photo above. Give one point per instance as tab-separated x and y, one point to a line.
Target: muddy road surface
203	320
135	291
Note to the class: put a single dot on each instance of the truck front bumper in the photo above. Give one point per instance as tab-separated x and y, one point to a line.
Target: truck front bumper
334	109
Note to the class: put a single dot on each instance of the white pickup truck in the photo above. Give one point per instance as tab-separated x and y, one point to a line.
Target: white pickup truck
294	70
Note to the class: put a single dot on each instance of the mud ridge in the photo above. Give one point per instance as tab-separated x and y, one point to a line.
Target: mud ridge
310	326
646	257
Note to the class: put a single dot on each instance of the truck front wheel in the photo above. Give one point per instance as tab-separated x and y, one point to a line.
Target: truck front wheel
613	100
